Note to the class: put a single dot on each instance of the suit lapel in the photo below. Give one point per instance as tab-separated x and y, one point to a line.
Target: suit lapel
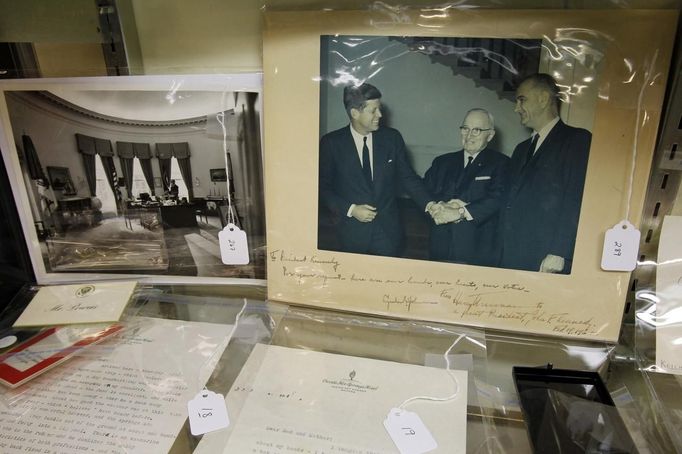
380	158
472	170
453	174
554	136
350	154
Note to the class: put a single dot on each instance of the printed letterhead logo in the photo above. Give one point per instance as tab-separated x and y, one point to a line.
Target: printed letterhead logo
84	291
350	385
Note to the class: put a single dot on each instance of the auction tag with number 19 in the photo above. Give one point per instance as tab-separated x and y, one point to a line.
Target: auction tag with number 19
408	432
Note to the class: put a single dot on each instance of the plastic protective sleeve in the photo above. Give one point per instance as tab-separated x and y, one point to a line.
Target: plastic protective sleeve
516	240
493	421
433	65
131	391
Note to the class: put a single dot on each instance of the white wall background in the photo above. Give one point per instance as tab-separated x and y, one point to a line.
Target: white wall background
425	101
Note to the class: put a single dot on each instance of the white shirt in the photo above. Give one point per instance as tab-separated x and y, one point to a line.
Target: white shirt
544	132
466	157
358	139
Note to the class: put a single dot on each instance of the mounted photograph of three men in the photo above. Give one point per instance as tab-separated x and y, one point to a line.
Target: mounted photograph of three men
471	151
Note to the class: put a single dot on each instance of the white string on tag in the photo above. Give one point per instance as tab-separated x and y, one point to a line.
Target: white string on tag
231	218
407	430
210	364
621	243
234	248
645	83
447	368
207	411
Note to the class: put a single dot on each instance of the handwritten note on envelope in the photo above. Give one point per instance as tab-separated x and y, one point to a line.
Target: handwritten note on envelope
79	303
669	293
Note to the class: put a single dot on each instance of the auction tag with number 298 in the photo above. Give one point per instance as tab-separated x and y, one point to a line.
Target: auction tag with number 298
621	244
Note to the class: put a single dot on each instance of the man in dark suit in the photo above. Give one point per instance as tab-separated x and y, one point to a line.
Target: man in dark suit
173	191
539	220
363	169
472	182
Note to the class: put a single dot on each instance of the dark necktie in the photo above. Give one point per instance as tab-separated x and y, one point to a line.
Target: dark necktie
461	174
366	166
531	148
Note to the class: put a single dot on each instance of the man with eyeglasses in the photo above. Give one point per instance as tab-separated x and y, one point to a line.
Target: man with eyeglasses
539	220
469	183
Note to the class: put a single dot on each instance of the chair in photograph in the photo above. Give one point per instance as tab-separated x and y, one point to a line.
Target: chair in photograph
225	216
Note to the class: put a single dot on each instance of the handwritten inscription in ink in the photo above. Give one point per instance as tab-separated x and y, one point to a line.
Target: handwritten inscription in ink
461	299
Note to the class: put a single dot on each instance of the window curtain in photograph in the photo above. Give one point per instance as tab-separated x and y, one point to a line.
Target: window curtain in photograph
88	150
126	154
144	154
35	170
164	153
181	153
106	154
248	128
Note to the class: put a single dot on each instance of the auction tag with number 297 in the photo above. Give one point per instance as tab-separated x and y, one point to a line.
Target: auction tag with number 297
234	249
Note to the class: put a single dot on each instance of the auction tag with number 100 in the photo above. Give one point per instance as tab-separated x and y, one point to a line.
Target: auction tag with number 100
207	412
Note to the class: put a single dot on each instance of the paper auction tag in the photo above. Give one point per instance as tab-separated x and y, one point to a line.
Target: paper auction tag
621	245
408	432
207	413
234	249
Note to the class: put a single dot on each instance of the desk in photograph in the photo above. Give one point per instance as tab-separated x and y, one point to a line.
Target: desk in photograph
76	212
175	216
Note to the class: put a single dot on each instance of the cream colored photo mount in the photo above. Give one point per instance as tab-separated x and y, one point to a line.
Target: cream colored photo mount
586	304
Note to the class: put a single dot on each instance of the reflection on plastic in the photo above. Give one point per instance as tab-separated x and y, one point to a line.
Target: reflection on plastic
564	423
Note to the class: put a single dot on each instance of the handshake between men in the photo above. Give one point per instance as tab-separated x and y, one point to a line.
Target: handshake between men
441	212
447	212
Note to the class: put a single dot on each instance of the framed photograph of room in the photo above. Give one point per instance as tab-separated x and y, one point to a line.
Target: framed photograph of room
129	175
558	112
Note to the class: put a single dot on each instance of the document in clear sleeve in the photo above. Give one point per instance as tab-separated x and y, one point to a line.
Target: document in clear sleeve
289	400
669	293
130	397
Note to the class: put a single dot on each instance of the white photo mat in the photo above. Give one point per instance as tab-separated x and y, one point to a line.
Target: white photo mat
224	87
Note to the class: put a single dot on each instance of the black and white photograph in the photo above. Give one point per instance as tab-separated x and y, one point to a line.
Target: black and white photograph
140	180
463	150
